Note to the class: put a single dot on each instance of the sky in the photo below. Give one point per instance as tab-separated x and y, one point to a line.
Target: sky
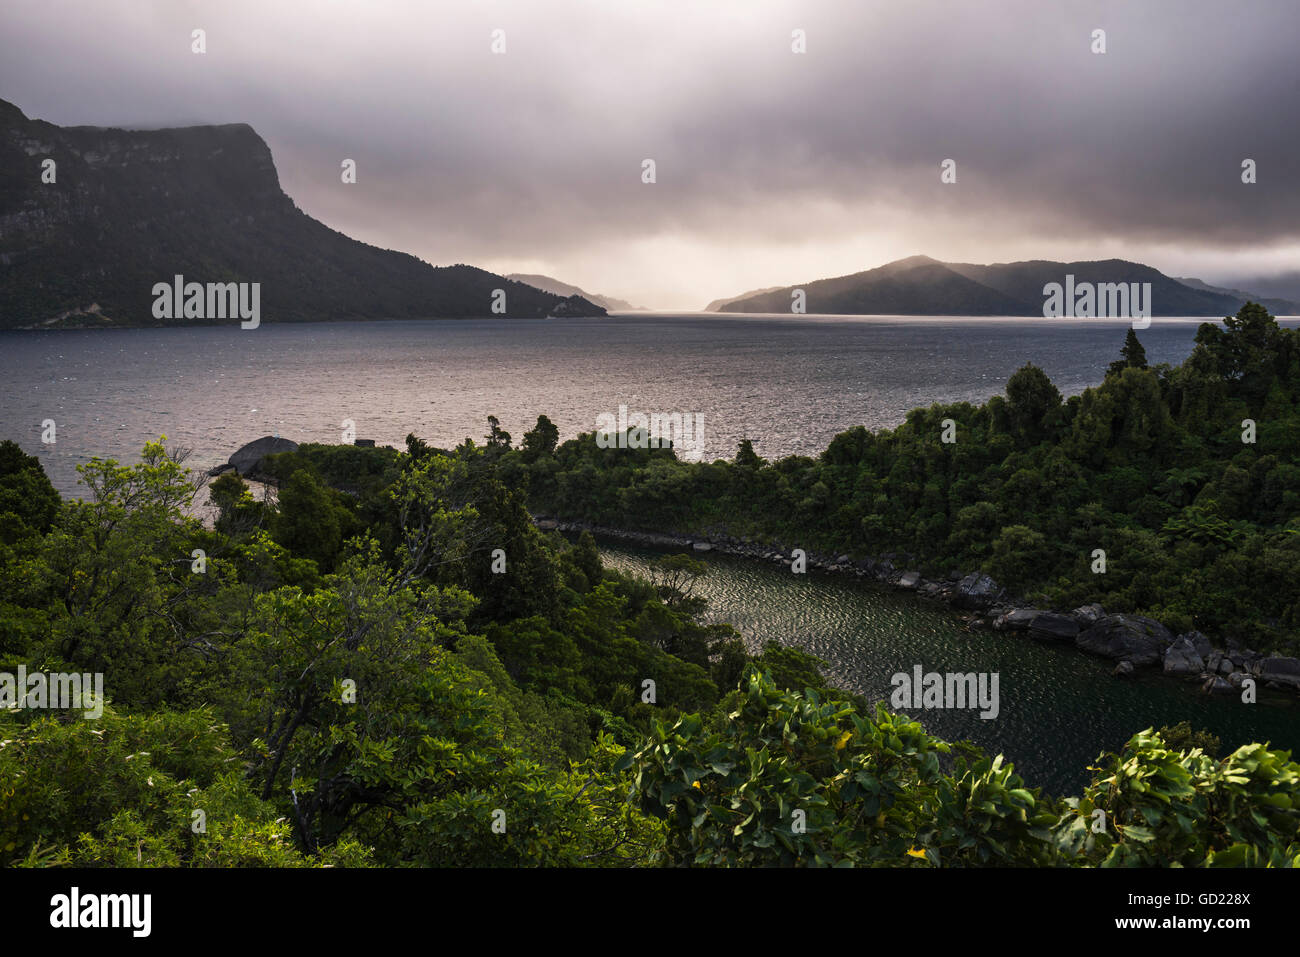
772	167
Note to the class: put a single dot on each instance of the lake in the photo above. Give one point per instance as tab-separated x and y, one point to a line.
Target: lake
789	384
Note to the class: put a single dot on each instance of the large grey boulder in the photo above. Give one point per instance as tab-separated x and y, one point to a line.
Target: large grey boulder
1054	627
246	460
975	591
1088	614
1182	658
1199	642
1017	619
909	579
1131	637
1284	671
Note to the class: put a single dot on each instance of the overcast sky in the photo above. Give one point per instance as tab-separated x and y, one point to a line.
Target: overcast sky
773	167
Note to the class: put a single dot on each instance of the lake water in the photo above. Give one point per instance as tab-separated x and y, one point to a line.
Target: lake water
1058	708
788	384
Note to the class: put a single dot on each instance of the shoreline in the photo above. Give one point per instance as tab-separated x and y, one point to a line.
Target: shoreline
1133	641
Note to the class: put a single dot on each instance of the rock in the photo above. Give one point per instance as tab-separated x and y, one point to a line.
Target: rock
1088	614
1018	619
909	580
247	459
843	560
1140	640
1200	643
1212	661
1182	657
1225	665
220	469
364	443
702	546
1123	669
1280	670
930	589
547	524
1217	685
975	591
1054	627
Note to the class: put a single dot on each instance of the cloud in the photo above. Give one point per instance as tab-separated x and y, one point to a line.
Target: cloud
772	167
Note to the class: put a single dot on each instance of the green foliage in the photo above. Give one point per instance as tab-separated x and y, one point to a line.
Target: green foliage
806	780
1185	809
28	502
1150	466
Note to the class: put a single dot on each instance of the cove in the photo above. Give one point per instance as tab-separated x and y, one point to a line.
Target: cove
1058	707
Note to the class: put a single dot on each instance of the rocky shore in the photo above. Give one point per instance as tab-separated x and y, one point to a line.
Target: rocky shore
1131	640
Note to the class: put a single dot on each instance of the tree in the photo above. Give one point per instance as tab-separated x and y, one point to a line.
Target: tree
28	502
1133	355
1032	401
540	440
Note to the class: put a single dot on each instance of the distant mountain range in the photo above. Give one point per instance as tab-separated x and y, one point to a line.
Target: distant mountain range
132	208
551	285
921	286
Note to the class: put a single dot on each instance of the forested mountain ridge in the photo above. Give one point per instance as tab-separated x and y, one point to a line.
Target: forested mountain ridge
922	286
131	208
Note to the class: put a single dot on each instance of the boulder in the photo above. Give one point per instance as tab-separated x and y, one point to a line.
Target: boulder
248	458
702	546
1284	671
1199	642
1054	627
1018	619
975	591
1088	614
1217	685
909	579
220	469
1182	658
1140	640
1123	669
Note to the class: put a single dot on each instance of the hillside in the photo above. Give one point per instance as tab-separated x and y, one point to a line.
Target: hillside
923	286
552	285
131	208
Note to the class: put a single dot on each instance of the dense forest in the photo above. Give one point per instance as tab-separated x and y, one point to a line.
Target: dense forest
387	664
1187	477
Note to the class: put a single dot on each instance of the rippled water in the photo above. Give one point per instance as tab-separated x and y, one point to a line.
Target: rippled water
791	385
1058	707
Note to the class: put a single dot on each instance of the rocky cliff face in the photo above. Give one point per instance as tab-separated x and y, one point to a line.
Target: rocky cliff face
131	208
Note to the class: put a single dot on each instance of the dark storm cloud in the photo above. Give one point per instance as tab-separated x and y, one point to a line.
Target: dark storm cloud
767	161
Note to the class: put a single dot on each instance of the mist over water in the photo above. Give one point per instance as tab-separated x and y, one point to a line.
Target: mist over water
788	384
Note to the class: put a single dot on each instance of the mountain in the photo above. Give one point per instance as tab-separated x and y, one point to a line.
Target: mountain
1275	305
1281	285
717	304
921	286
548	284
131	208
